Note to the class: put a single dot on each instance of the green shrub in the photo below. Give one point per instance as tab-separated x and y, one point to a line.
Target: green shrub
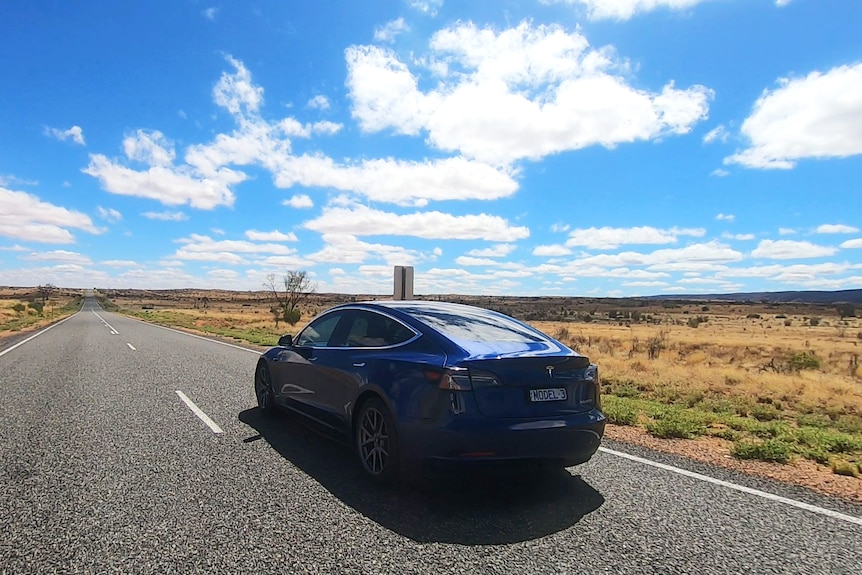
765	412
676	425
804	360
618	411
772	450
842	467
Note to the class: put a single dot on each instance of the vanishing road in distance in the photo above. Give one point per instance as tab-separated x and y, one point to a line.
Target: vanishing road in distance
129	448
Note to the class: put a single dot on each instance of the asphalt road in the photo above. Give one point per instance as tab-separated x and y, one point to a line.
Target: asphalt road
105	469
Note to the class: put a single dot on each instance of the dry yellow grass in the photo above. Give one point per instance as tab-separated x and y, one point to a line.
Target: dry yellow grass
729	358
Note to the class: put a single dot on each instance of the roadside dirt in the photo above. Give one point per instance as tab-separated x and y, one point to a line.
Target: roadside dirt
716	451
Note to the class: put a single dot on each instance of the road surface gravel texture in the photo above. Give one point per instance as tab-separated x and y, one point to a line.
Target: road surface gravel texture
106	470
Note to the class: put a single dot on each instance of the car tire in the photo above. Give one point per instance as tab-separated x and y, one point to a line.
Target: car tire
263	388
376	441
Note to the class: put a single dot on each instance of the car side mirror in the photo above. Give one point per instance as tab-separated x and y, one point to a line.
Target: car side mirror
285	340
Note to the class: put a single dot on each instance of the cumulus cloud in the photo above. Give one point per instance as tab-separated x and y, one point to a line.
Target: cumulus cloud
390	30
299	201
610	238
341	248
836	229
166	216
162	181
719	134
626	9
495	251
725	217
75	133
198	247
110	214
365	221
62	256
852	244
524	92
791	250
26	217
818	116
319	102
273	236
554	250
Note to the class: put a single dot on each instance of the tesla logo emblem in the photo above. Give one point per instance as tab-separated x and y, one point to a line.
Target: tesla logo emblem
550	369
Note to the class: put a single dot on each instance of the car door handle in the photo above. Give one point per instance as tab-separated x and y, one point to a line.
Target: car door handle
361	364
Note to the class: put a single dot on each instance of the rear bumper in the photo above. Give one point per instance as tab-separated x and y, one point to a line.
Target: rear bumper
570	440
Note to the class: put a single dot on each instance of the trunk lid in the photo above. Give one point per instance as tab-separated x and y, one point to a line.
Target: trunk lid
525	387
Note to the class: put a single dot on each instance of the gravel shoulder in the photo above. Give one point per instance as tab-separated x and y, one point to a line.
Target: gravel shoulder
716	451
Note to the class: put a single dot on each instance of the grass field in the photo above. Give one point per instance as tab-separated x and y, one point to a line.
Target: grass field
777	382
23	309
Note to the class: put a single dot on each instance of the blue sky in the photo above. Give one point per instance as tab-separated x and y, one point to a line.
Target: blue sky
561	147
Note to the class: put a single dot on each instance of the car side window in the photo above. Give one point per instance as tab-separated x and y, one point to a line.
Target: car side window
369	329
318	332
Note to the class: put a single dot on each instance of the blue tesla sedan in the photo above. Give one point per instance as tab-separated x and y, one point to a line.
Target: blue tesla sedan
406	382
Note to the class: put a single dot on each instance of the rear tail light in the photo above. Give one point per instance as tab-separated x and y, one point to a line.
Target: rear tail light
461	378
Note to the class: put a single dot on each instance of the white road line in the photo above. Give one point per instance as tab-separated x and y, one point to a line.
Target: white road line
35	335
131	347
254	351
742	488
113	331
197	411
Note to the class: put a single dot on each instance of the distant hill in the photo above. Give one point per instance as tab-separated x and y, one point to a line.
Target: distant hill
853	296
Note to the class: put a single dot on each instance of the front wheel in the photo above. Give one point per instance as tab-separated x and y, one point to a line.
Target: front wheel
263	388
376	441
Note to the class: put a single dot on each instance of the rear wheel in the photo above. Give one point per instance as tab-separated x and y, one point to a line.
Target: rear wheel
376	441
263	388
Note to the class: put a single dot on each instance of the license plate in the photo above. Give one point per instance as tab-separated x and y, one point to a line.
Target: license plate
552	394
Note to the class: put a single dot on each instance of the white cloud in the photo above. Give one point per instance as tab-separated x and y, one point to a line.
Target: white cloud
343	248
110	214
235	91
119	263
559	227
782	3
610	238
719	134
790	250
164	182
836	229
818	116
62	256
725	217
852	244
740	237
210	13
399	182
428	7
524	92
319	102
719	173
495	251
166	216
273	236
390	30
203	248
626	9
75	133
299	201
26	217
551	250
364	221
786	231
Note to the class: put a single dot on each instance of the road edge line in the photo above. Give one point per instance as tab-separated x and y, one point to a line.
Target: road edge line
37	334
736	487
255	351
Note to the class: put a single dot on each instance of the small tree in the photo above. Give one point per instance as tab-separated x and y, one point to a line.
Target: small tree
45	292
297	287
19	308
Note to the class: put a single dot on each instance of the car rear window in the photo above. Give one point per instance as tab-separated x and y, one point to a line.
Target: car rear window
477	327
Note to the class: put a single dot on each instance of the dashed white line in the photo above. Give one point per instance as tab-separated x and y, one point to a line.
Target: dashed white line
742	488
113	331
131	347
201	415
239	347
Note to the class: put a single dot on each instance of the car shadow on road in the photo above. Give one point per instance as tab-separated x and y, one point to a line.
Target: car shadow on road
452	506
